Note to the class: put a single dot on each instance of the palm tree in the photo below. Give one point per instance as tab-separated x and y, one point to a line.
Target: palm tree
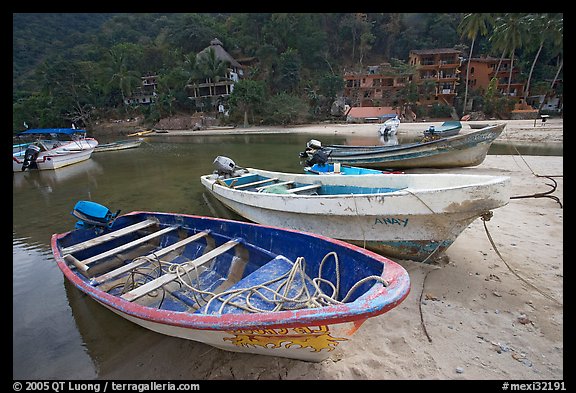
546	28
471	25
513	29
212	68
125	79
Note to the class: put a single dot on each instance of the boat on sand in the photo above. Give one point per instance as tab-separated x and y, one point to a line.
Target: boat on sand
407	216
234	285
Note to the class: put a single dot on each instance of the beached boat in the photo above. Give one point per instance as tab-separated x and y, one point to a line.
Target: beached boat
408	216
237	286
448	128
51	148
389	127
465	149
119	145
141	133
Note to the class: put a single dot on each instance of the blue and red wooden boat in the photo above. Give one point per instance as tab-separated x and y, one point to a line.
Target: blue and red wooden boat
234	285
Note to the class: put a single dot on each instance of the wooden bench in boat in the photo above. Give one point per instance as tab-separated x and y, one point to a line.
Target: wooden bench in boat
256	183
304	188
83	265
169	277
284	183
138	261
109	236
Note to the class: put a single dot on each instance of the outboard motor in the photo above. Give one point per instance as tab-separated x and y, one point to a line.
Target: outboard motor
385	130
311	146
224	165
226	168
92	214
314	144
319	157
30	156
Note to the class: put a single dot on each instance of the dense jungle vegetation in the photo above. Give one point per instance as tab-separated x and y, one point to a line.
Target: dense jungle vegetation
77	67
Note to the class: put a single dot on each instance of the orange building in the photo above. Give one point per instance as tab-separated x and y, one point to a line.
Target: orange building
437	74
483	69
375	86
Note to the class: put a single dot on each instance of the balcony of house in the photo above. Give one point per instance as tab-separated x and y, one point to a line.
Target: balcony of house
209	89
140	98
516	89
441	75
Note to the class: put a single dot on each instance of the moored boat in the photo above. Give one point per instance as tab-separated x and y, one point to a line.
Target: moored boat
237	286
389	127
448	128
51	148
119	145
464	149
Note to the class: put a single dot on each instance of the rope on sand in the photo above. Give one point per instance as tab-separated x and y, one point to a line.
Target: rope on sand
487	217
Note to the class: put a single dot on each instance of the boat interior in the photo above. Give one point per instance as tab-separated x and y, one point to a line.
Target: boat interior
259	183
173	266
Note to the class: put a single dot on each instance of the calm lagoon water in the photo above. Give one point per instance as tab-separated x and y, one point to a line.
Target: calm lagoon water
59	333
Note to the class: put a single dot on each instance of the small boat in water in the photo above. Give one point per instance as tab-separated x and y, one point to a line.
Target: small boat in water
51	148
468	149
389	127
407	216
233	285
119	145
448	128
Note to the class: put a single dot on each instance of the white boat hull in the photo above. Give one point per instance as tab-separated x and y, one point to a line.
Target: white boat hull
64	155
308	343
420	220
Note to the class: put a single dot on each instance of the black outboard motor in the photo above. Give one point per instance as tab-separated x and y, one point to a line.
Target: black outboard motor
92	214
30	156
319	157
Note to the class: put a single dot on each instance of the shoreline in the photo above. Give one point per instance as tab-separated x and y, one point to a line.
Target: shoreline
515	130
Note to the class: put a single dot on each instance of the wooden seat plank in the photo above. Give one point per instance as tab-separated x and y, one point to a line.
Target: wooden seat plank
131	244
109	236
304	188
138	261
284	183
248	185
169	277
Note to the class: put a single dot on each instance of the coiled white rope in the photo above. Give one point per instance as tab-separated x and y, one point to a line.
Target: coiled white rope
295	279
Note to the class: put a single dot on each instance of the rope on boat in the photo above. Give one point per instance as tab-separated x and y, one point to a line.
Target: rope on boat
487	217
280	297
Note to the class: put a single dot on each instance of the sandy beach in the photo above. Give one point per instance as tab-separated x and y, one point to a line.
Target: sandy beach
490	309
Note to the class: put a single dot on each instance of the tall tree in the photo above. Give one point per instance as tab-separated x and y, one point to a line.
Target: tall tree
543	28
513	29
247	95
212	68
120	73
471	25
